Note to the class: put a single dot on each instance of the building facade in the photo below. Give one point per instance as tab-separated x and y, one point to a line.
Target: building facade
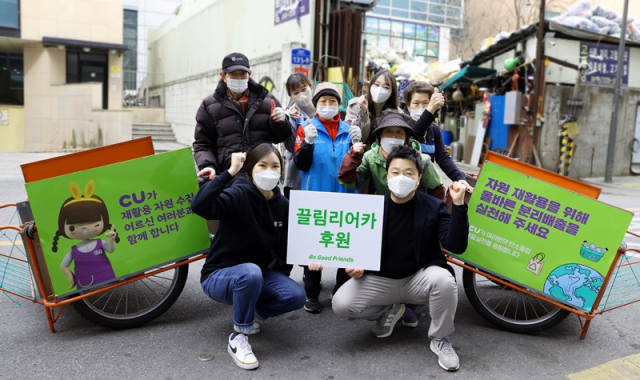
189	47
63	61
420	27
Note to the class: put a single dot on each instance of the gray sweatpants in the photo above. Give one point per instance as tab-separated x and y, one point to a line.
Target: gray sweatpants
369	296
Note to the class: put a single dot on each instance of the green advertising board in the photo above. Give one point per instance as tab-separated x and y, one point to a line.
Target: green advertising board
551	240
106	223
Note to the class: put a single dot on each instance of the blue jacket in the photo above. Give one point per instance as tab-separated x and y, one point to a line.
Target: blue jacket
320	162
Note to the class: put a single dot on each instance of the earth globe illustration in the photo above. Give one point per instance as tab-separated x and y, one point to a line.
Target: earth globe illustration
575	284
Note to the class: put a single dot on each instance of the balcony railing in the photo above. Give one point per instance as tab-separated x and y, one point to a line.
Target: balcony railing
142	89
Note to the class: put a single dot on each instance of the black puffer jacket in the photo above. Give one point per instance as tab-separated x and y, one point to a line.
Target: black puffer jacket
221	129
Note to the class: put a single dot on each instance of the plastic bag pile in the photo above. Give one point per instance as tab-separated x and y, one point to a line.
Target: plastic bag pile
599	19
398	62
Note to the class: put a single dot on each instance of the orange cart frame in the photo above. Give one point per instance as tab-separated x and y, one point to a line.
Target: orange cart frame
51	302
570	184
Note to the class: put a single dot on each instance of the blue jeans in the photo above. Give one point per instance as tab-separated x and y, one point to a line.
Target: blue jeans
253	290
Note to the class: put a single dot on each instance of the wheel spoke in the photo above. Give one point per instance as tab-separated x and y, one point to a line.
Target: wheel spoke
509	305
135	299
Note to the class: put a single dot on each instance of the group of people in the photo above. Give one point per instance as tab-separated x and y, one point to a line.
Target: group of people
378	149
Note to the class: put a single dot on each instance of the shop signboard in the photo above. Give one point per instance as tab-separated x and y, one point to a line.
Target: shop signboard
287	10
602	64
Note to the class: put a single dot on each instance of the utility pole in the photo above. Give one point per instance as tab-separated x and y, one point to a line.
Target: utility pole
538	85
608	173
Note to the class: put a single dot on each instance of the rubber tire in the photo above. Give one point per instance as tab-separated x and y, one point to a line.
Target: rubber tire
468	281
118	323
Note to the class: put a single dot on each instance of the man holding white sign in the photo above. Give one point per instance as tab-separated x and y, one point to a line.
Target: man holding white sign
413	268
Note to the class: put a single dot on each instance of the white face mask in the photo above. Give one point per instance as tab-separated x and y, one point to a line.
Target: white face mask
416	113
388	143
327	112
379	94
401	186
266	180
303	98
237	85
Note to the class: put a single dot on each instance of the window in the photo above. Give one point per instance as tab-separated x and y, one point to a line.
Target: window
418	40
9	14
130	58
11	78
446	13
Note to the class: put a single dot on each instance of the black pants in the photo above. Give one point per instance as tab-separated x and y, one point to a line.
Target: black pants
312	281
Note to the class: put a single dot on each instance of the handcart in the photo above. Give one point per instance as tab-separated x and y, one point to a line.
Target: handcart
132	300
514	306
127	301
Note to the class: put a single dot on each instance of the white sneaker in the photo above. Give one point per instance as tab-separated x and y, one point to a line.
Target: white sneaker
447	357
385	323
254	330
241	352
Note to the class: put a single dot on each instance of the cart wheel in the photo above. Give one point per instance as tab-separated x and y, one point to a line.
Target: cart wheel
508	308
136	303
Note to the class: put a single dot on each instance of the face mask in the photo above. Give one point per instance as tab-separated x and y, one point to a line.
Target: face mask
266	180
401	186
379	94
237	85
327	112
303	98
388	143
416	113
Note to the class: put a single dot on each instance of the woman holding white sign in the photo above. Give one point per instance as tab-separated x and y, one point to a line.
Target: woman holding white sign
252	231
320	146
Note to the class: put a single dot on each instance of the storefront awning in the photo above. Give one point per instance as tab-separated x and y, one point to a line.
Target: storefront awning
79	44
469	74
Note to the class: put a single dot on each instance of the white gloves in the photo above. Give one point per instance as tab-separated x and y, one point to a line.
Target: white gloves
356	134
278	115
310	133
207	171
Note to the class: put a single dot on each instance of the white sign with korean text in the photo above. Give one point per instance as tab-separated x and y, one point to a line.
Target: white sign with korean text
336	230
4	116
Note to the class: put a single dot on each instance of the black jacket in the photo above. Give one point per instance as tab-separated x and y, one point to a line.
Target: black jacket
434	225
425	127
247	231
221	129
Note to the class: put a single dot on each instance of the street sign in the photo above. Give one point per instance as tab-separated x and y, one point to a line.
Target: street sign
300	56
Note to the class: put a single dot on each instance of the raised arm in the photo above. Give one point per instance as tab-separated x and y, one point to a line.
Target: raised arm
443	159
453	230
212	202
278	121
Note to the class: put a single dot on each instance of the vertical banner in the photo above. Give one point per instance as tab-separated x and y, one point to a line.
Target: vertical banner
106	223
549	239
336	230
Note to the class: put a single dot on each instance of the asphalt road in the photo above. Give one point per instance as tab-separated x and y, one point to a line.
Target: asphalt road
296	345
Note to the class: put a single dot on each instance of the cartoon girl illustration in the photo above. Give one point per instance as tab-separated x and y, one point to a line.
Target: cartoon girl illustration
84	217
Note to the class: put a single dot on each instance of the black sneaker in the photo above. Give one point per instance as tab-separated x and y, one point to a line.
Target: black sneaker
313	305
